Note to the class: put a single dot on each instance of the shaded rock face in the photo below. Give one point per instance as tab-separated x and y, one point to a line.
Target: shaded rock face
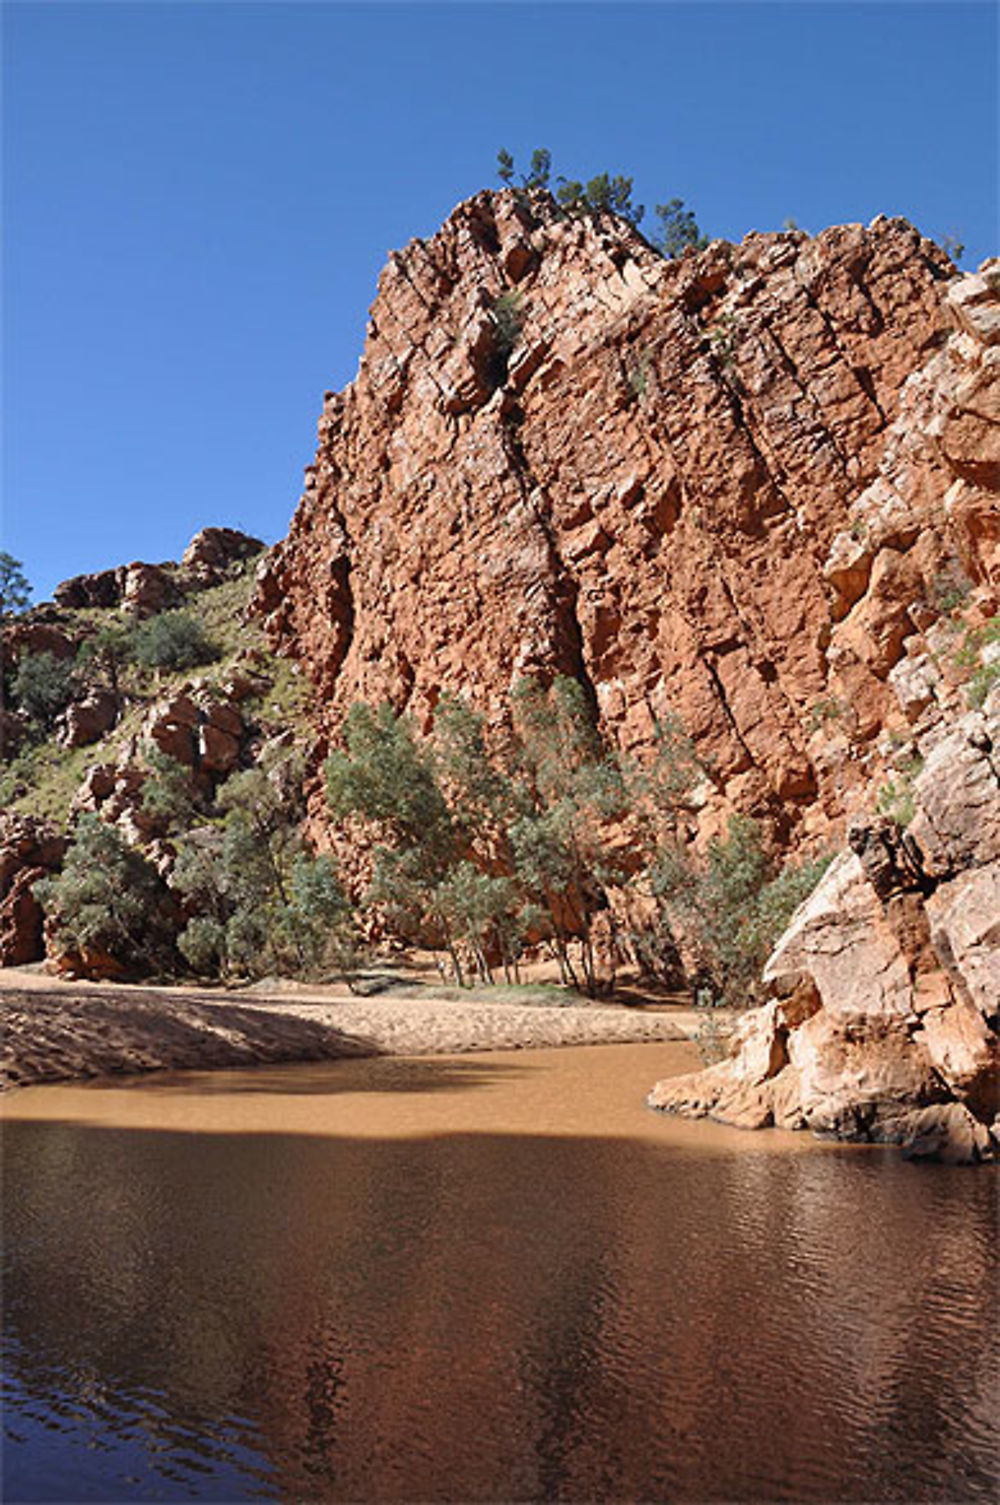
899	948
654	489
29	850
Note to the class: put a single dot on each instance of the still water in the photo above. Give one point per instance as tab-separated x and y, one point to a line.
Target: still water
491	1278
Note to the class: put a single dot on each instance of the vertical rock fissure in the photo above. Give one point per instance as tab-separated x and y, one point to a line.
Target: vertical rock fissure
567	588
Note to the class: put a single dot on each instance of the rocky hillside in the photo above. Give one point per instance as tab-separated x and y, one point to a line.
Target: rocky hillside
756	487
84	733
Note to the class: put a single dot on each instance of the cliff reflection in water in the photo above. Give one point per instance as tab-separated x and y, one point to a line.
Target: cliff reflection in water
492	1316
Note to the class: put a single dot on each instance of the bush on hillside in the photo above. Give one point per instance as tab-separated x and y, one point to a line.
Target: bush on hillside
42	687
173	640
607	194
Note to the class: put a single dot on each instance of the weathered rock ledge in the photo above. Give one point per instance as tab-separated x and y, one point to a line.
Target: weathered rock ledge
885	1019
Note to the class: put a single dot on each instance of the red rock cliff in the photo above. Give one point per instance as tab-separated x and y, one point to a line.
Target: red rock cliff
730	485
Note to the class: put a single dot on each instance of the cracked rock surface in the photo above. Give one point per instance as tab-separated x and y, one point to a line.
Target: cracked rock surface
714	485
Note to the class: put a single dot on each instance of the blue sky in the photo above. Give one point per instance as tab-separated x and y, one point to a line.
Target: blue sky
198	198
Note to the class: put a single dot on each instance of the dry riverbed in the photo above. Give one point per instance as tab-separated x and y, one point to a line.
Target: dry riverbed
56	1030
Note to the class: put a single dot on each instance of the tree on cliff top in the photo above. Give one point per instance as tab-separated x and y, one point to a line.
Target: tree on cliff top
678	230
604	194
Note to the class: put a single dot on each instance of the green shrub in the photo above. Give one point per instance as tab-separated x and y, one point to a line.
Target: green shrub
173	640
507	317
171	794
981	683
108	652
896	800
258	904
110	899
202	943
603	194
42	686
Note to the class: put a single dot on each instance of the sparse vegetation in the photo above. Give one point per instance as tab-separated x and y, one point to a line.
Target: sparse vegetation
953	246
824	711
952	587
38	778
637	374
981	683
980	656
896	798
507	316
607	193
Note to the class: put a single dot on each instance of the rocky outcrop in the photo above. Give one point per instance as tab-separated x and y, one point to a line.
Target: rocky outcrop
29	850
211	554
144	589
886	1023
701	485
202	732
85	721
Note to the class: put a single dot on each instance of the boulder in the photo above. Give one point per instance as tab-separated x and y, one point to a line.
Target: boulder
964	920
102	588
842	939
147	589
212	553
32	635
85	721
173	727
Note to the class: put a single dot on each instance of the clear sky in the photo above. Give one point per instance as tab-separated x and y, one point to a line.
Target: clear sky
198	198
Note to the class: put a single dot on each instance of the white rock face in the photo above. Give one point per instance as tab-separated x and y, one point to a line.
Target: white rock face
840	939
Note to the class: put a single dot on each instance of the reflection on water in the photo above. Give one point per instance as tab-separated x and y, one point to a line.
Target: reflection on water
379	1309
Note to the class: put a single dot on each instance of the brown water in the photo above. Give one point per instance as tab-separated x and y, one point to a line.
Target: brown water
487	1278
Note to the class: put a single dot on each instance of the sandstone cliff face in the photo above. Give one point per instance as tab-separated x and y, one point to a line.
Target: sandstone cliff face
886	1023
729	486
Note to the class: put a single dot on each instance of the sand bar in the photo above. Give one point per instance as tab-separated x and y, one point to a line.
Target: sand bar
55	1030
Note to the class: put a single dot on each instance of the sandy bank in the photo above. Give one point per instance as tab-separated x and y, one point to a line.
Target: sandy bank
56	1031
